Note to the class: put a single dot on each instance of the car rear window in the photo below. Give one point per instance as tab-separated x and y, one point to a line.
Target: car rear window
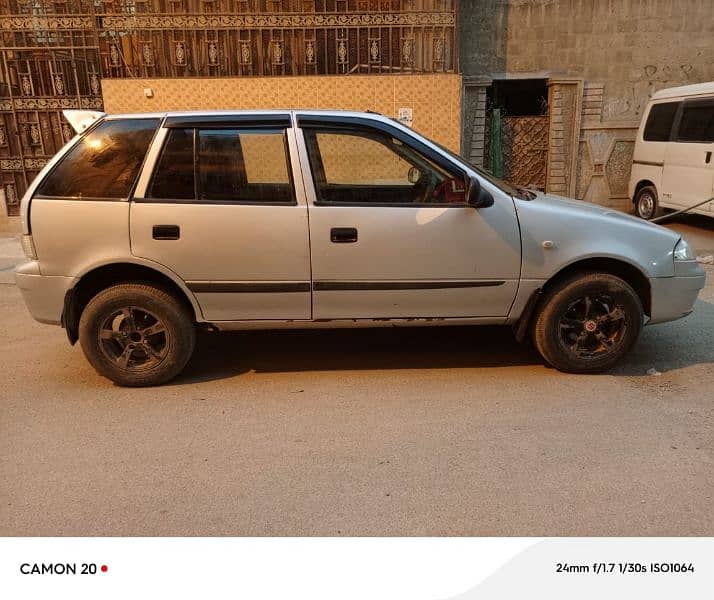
249	166
659	122
104	164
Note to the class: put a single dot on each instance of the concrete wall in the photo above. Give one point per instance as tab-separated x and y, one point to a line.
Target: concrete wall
632	47
435	99
483	34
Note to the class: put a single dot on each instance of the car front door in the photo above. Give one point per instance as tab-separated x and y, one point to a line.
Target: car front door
221	211
391	235
688	175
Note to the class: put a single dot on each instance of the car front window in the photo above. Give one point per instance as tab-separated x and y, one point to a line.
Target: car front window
364	166
505	186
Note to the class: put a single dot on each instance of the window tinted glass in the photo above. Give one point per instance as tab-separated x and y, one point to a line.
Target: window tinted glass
243	166
365	166
104	163
174	175
659	122
697	124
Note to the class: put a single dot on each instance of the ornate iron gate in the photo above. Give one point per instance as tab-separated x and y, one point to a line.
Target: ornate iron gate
208	38
53	53
525	150
49	62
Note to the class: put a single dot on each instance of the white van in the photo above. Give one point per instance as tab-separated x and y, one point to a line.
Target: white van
673	166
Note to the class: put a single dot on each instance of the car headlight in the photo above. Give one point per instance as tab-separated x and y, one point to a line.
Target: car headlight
682	251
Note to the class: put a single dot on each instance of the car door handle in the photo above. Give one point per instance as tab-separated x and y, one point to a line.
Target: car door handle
343	235
709	157
166	232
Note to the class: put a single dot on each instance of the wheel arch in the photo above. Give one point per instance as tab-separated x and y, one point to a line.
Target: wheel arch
640	184
626	271
103	276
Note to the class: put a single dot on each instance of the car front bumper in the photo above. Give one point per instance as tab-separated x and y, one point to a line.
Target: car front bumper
43	294
674	297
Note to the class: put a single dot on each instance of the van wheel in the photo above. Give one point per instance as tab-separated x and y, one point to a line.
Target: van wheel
646	203
136	334
587	323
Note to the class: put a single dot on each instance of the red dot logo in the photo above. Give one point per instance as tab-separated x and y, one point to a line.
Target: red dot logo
104	568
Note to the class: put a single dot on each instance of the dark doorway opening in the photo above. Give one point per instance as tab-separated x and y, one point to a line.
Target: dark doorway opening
519	97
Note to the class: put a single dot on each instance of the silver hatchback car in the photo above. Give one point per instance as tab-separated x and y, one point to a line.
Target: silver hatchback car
145	226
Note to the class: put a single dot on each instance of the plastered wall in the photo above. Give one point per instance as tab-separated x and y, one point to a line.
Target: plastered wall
434	99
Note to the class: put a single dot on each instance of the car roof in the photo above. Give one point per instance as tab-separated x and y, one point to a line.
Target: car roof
248	112
697	89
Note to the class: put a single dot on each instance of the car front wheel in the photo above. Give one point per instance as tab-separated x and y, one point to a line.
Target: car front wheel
587	323
136	334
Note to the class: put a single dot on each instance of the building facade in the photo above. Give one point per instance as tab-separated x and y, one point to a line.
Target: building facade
548	93
131	55
569	80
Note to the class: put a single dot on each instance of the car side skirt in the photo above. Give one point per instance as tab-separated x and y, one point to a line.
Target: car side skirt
354	323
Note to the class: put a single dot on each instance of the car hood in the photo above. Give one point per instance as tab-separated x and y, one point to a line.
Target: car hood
581	230
569	206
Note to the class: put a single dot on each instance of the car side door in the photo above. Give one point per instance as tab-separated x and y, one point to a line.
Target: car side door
391	234
221	210
688	175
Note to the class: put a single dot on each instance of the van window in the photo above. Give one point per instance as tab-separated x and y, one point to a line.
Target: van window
246	166
174	175
659	122
697	123
104	164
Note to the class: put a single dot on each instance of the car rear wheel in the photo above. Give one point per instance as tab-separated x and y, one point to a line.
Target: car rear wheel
136	334
646	203
587	323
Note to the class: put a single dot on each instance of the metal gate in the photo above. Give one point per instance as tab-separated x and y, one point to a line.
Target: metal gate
49	61
524	149
53	54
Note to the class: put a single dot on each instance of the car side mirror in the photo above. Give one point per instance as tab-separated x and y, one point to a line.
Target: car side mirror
476	196
413	175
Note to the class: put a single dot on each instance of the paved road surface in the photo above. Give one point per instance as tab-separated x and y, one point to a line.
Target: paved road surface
386	432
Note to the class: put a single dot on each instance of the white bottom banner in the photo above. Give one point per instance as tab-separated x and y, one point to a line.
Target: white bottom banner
357	568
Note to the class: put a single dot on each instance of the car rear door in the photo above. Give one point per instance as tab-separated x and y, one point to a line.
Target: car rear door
221	209
390	233
688	175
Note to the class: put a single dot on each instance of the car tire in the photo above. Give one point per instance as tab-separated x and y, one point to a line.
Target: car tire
587	323
646	203
137	334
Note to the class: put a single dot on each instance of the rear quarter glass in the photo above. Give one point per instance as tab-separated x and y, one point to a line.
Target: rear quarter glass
104	164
